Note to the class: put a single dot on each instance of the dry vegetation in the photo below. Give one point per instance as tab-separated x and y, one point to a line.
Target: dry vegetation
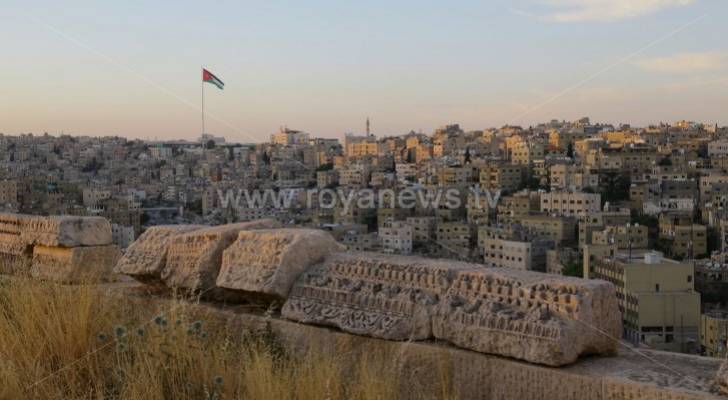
61	342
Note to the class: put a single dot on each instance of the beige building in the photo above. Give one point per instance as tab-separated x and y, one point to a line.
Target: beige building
505	177
571	204
656	297
454	237
572	178
623	236
511	208
561	230
686	238
8	195
714	333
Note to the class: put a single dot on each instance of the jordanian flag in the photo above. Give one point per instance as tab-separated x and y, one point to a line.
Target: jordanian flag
208	77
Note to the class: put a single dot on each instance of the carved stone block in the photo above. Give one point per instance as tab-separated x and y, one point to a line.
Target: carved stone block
529	316
74	264
520	314
269	261
145	258
194	258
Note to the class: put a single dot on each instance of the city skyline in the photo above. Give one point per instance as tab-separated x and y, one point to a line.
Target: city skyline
100	70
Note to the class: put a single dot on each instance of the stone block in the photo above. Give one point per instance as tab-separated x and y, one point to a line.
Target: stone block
526	315
63	231
194	258
722	378
74	264
529	316
268	262
146	257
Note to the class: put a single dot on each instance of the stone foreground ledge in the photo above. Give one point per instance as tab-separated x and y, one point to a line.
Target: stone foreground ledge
422	366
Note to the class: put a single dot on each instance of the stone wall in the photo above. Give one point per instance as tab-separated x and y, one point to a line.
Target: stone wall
64	249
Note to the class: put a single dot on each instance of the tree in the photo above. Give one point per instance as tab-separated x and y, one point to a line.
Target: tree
570	150
210	144
615	187
665	161
573	269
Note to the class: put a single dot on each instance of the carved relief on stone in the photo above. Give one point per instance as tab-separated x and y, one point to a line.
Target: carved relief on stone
269	261
194	258
371	294
145	258
530	316
519	314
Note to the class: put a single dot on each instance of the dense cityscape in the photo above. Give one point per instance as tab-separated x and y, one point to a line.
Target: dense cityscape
641	207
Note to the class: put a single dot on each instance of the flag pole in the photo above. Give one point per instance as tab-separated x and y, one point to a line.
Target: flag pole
202	84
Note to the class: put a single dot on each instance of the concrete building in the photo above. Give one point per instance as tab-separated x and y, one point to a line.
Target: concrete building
570	204
505	177
560	230
423	229
396	237
623	236
454	237
656	297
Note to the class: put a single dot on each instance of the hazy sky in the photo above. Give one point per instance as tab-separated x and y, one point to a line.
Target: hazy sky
132	68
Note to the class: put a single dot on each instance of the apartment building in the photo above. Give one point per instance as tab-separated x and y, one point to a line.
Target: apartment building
623	236
454	237
504	177
396	237
656	297
570	204
559	229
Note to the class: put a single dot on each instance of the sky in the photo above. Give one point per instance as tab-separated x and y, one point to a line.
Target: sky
132	68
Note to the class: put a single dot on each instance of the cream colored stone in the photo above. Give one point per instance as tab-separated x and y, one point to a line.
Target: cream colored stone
65	231
74	264
722	378
519	314
194	259
145	258
269	261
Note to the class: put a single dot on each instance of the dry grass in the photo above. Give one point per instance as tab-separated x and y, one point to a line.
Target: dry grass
61	342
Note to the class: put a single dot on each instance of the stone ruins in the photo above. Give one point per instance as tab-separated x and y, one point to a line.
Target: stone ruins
64	249
313	281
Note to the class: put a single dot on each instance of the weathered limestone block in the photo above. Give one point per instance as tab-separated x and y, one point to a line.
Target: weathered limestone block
520	314
194	259
269	261
74	264
64	231
145	258
529	316
722	378
388	297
